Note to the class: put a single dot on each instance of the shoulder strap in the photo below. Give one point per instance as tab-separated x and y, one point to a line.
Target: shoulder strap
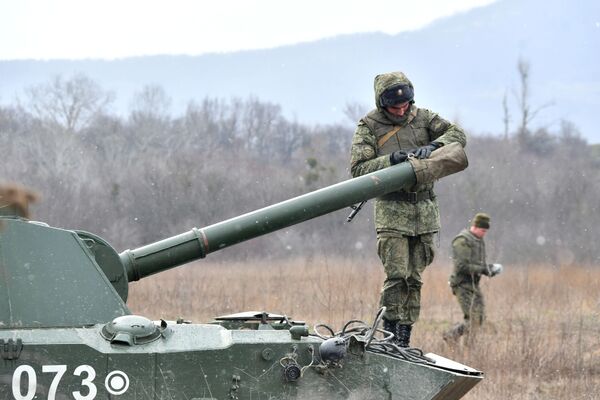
381	141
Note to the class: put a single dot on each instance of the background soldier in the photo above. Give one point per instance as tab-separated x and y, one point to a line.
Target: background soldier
468	253
405	221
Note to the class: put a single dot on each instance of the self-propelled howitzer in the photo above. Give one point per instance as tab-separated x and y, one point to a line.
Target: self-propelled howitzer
66	332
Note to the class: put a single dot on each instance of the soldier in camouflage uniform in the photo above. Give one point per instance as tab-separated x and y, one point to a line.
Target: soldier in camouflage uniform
468	254
405	221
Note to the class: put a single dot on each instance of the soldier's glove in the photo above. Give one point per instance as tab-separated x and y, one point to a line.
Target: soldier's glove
425	151
398	156
486	270
495	269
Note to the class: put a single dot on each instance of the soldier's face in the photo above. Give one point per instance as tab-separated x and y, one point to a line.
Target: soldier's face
479	232
398	109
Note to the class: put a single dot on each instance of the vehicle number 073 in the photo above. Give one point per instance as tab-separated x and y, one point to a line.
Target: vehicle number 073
116	382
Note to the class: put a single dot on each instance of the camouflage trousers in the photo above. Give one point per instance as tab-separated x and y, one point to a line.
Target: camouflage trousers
470	299
404	259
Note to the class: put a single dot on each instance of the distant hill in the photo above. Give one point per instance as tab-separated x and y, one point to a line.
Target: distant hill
461	67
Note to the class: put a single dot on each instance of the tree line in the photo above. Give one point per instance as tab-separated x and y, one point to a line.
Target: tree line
138	178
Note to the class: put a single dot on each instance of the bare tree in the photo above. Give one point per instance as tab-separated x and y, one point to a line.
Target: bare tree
259	121
150	120
523	99
209	126
71	103
152	102
506	118
287	138
570	135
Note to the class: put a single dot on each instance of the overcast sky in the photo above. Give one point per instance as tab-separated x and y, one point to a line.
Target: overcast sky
49	29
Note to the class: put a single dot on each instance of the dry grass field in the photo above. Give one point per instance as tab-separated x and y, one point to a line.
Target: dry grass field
541	342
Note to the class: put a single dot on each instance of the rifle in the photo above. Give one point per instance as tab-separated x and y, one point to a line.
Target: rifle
355	209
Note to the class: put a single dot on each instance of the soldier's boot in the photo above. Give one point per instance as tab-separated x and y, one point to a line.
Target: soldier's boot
452	335
390	326
403	335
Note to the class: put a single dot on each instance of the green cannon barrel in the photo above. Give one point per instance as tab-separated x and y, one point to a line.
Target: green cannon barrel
197	243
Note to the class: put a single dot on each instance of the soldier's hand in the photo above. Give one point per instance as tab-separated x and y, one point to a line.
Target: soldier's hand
425	151
398	156
495	269
487	270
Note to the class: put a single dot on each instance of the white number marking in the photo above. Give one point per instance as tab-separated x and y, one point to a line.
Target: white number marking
60	371
16	382
89	382
116	382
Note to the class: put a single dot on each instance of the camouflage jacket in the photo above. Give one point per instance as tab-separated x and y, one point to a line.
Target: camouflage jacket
373	143
468	255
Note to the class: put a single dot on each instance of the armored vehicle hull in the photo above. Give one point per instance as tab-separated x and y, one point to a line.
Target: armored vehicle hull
67	333
205	361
